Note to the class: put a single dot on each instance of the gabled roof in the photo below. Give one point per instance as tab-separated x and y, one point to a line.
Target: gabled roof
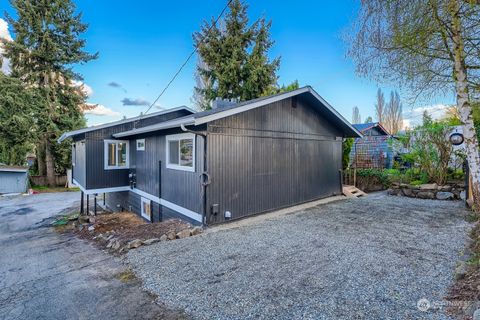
219	113
362	127
116	123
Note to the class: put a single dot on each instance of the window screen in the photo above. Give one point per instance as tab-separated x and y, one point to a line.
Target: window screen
173	152
112	161
122	154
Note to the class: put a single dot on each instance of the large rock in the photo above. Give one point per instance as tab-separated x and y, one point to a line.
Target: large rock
116	245
444	195
171	235
164	237
463	195
134	244
447	188
426	195
183	234
150	241
196	230
408	192
428	186
461	270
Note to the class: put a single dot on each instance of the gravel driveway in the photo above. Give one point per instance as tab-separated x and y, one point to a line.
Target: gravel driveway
373	257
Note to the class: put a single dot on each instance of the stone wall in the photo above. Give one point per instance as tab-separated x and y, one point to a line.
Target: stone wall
451	191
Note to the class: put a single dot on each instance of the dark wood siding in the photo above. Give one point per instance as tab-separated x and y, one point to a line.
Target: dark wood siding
182	188
271	157
96	176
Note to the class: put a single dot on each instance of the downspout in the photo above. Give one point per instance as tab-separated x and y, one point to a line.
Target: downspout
205	176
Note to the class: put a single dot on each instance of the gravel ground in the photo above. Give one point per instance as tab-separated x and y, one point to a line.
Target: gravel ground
373	257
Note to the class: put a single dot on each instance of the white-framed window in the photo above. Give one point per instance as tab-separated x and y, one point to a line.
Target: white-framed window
181	151
116	154
146	208
140	144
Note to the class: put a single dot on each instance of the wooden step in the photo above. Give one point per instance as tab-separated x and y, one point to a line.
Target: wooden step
353	192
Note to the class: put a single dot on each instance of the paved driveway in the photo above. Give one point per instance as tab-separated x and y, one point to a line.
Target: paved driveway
370	258
47	275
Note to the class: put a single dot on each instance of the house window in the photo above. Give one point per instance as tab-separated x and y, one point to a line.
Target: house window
116	154
181	152
146	208
141	145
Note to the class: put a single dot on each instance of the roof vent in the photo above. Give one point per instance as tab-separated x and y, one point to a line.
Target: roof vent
223	103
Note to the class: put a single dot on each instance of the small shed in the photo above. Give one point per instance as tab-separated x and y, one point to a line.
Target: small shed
13	179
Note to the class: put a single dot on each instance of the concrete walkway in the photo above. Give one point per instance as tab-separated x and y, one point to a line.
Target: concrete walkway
48	275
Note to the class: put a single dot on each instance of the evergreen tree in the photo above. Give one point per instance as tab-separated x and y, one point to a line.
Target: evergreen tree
19	107
235	57
46	47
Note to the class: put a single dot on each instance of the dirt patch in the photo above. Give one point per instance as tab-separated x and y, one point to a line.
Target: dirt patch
119	232
466	289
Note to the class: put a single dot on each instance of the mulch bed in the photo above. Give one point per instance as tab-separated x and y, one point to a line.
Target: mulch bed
123	227
467	289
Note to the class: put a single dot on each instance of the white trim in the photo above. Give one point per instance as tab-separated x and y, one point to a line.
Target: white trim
189	213
101	190
192	120
140	141
178	137
115	123
160	126
106	142
142	212
249	106
146	195
184	211
13	170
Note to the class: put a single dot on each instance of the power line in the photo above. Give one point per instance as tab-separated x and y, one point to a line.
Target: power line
189	57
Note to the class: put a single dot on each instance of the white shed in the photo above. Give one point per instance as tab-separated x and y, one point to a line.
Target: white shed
13	179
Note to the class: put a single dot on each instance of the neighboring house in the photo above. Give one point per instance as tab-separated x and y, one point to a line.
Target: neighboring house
13	179
212	166
374	149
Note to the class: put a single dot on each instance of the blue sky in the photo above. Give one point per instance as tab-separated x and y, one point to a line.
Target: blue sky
141	44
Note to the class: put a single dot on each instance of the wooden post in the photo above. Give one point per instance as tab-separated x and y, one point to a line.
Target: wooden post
95	204
82	209
355	177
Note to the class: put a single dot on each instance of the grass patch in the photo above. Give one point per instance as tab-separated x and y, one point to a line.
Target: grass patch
125	276
45	189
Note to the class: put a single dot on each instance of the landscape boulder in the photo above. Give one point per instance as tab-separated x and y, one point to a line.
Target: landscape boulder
426	195
428	186
445	195
150	241
134	244
183	234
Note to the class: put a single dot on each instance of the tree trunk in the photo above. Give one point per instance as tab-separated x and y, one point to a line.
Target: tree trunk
41	158
50	165
463	104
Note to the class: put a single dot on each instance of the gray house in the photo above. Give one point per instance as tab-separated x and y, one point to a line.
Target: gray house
208	167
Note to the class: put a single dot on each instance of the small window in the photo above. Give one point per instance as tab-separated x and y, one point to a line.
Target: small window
116	154
141	145
146	208
181	152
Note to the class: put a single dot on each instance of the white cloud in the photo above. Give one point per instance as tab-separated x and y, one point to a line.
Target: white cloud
85	88
414	117
4	35
100	110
